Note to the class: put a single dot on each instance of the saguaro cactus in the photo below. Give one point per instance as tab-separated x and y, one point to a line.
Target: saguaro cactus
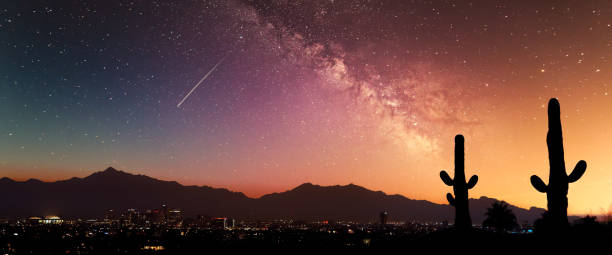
558	182
460	187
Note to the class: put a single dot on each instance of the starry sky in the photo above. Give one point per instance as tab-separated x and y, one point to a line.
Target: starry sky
329	92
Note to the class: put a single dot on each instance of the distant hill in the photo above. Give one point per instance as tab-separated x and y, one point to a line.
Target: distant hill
94	194
112	189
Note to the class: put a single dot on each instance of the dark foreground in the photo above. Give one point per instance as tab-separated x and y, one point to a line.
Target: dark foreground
63	239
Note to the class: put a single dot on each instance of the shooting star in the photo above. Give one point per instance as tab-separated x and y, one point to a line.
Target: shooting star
200	82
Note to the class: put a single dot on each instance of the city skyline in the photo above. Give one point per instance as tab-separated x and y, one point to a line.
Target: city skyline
325	92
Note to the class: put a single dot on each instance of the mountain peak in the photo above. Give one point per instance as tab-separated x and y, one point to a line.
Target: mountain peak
6	180
306	185
310	187
109	172
111	169
354	186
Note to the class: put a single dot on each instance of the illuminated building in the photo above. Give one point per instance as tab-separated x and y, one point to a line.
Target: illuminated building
153	247
223	223
175	217
110	215
52	220
132	217
384	217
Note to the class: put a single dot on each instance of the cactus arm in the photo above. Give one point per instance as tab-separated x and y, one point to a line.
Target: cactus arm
450	198
472	182
538	184
578	171
446	178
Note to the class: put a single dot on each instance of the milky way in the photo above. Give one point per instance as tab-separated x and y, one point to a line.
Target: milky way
331	92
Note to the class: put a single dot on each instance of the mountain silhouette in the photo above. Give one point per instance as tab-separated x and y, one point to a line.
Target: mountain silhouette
113	189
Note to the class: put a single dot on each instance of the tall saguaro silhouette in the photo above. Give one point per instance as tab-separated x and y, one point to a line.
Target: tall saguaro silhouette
460	187
558	180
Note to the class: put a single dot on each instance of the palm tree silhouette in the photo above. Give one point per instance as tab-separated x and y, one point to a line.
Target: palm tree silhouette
500	217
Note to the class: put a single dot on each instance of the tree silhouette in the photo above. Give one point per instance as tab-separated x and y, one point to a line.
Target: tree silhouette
460	187
589	226
558	182
500	217
587	220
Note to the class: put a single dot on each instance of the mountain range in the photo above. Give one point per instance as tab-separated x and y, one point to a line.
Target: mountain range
93	195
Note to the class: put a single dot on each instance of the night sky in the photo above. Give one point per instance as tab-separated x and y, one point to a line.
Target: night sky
328	92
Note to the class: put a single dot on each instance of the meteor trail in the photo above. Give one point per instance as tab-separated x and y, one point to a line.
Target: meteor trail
200	82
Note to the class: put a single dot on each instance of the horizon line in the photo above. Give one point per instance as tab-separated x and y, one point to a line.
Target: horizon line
270	193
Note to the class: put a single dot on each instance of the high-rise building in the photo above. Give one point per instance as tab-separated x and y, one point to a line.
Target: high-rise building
110	216
220	223
384	217
132	217
223	223
175	217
